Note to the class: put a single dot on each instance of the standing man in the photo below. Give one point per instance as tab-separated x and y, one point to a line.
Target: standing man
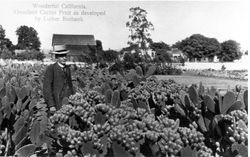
57	80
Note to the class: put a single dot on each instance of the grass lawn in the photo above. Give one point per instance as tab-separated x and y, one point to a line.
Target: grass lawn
218	83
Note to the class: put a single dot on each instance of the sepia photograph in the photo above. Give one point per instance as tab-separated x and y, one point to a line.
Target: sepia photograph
124	78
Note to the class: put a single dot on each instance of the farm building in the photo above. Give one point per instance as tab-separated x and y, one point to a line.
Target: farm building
79	45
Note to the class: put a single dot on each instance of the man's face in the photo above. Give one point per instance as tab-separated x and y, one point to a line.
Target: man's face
61	59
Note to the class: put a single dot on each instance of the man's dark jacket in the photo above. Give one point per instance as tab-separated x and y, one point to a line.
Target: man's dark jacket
57	85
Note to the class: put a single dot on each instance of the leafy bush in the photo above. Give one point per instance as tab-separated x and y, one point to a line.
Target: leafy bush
30	55
6	54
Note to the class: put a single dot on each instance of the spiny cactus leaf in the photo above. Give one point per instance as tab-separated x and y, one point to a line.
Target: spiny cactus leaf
209	102
108	96
241	149
201	124
130	74
188	103
2	82
182	97
24	105
65	101
7	107
21	143
26	150
20	134
19	123
100	118
88	148
35	132
22	93
228	101
135	80
236	106
208	117
19	105
188	152
2	92
193	95
120	151
215	126
116	99
245	98
12	94
180	110
138	70
151	71
43	122
201	90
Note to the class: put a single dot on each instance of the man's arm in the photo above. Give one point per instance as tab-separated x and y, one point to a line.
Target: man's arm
47	87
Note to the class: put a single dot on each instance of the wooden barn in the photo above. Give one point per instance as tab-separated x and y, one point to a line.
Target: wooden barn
79	45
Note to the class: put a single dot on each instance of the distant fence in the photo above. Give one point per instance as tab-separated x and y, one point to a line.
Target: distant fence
216	66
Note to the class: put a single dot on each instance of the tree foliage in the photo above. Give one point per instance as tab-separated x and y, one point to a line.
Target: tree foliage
110	55
230	50
6	45
2	33
27	38
162	56
139	28
159	46
199	46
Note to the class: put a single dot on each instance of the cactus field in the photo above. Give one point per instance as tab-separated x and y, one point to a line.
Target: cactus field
134	114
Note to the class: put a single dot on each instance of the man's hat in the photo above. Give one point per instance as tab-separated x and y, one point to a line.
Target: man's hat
60	49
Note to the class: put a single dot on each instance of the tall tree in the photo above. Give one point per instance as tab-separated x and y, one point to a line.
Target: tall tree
5	43
230	50
2	33
139	28
198	46
28	38
2	37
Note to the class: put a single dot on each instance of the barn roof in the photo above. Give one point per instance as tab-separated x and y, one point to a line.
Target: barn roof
72	39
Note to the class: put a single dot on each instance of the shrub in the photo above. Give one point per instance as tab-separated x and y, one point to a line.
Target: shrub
30	55
6	54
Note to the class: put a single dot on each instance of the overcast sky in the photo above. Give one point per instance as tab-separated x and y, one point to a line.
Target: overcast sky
172	20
